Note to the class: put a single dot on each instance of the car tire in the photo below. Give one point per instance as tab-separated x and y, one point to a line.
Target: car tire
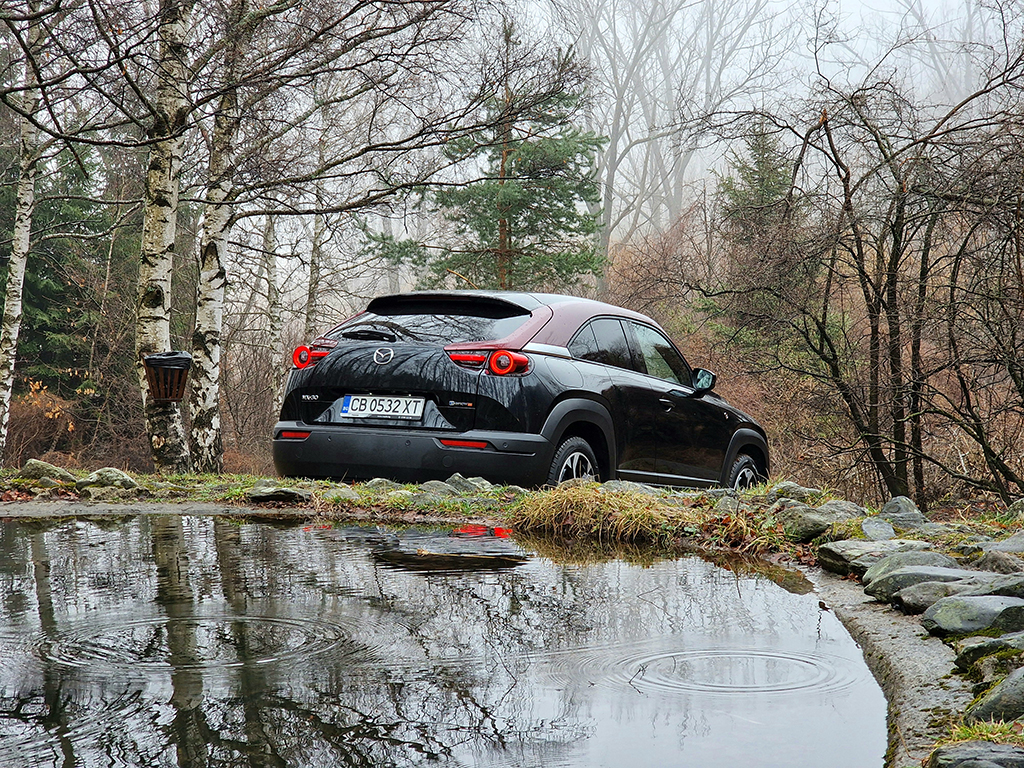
573	459
744	473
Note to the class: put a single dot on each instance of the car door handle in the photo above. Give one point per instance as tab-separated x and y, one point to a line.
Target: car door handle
669	405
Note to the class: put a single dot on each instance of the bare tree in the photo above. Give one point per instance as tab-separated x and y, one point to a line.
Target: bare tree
873	275
659	66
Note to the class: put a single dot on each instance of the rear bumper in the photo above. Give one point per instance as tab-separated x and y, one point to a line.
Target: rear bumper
409	456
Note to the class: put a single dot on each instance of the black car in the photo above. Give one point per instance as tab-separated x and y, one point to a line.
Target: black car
522	388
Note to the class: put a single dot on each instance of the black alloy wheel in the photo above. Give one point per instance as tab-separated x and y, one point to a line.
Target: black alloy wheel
573	459
744	473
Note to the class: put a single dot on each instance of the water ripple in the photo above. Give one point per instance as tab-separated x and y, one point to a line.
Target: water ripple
194	642
715	670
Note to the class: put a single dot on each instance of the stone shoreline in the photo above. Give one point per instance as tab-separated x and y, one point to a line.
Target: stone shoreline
912	668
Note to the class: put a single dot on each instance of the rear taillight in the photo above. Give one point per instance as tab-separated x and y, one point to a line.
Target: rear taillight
292	434
303	356
501	362
504	362
469	359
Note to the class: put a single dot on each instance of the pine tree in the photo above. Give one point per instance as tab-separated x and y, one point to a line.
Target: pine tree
524	223
754	194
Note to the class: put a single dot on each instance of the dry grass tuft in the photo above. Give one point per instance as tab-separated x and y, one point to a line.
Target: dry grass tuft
588	511
997	732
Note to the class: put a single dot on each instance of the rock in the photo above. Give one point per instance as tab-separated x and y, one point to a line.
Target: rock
461	484
1004	585
35	469
264	493
425	500
381	484
899	560
992	669
1014	544
972	545
790	490
903	513
857	555
877	529
884	587
344	493
802	523
516	490
984	754
400	497
439	488
1004	702
1000	562
933	529
482	485
974	648
731	505
961	615
108	477
918	598
619	486
842	509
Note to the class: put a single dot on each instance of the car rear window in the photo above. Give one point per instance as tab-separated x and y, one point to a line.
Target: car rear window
435	322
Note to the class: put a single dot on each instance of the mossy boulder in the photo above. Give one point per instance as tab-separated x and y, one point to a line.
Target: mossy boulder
965	615
899	560
857	555
885	587
35	469
108	477
1004	702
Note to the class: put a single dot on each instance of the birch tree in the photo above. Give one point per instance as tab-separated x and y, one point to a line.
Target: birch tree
29	154
164	423
240	26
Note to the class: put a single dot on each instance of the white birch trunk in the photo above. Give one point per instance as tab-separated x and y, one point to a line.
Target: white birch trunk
275	317
207	444
207	449
164	424
22	234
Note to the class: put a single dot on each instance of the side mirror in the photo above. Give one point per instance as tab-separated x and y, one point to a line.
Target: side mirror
703	380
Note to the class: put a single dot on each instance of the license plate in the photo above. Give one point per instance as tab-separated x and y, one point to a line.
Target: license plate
381	407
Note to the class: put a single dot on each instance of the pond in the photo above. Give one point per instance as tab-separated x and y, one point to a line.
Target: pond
199	641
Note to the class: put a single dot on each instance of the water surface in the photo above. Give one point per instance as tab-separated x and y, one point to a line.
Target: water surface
169	641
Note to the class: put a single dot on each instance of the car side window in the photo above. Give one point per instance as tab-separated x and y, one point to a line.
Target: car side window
584	345
660	357
602	341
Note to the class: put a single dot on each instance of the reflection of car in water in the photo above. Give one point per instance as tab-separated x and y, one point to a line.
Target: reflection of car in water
518	388
469	547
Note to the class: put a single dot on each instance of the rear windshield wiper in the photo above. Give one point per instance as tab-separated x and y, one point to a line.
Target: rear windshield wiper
369	334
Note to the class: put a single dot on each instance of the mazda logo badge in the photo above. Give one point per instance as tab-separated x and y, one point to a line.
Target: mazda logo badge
383	355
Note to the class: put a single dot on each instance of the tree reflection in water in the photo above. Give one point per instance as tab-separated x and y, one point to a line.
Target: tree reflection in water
202	642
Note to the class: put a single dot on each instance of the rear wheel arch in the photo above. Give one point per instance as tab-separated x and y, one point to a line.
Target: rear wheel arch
589	420
749	443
